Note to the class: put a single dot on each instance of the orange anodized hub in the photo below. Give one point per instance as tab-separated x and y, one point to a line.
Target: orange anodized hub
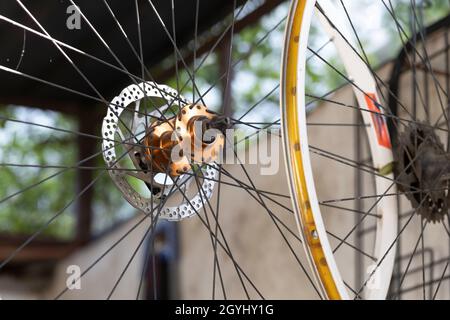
172	146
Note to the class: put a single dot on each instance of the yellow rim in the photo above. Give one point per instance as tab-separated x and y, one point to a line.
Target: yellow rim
293	137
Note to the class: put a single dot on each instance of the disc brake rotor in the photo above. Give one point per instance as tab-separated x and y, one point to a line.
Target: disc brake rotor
147	139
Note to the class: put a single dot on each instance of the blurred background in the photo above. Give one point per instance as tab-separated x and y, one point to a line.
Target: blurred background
176	261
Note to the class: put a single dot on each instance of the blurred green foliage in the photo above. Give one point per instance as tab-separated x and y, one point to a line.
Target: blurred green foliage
24	208
32	196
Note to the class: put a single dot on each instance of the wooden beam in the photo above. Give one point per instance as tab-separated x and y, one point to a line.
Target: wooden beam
40	249
36	253
87	123
57	106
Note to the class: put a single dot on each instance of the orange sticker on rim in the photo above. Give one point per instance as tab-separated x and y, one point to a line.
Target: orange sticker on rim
378	120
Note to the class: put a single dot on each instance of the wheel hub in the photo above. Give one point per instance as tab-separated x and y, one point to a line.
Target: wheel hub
423	171
184	134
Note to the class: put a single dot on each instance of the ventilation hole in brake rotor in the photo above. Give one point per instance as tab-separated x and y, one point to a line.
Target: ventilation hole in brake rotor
407	161
156	190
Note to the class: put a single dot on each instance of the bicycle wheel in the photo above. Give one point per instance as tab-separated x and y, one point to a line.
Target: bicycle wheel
319	171
147	131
